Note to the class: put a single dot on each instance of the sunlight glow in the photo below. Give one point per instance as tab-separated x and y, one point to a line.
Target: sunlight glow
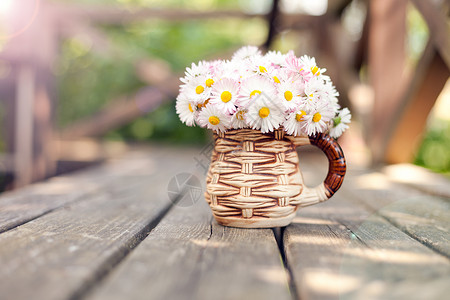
6	7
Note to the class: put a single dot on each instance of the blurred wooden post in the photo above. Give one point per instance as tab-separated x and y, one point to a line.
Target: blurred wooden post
428	81
25	91
30	50
386	66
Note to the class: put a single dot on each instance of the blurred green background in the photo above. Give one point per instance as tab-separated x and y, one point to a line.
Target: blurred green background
89	79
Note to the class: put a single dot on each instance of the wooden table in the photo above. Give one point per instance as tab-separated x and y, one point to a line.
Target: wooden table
112	232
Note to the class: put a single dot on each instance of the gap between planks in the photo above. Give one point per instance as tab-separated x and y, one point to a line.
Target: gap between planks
190	256
278	234
124	195
113	261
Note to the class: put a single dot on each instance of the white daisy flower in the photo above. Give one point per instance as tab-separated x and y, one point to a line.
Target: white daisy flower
228	69
225	94
329	91
245	53
295	124
213	118
238	119
197	90
258	65
253	87
289	94
340	123
310	65
196	70
275	58
264	114
186	110
313	90
261	92
317	119
274	75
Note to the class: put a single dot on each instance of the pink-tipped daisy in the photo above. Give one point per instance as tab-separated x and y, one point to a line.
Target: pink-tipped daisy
214	118
264	114
255	86
275	58
225	95
294	65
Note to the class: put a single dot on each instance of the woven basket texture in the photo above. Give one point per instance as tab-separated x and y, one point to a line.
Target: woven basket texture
254	175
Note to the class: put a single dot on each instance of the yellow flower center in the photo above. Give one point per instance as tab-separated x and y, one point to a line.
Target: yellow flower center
262	69
299	117
275	78
317	117
199	89
264	112
254	93
214	120
203	104
190	108
288	95
311	96
209	82
315	70
240	115
225	96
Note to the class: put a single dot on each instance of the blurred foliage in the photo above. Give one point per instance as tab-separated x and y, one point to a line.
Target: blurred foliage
434	152
89	79
417	34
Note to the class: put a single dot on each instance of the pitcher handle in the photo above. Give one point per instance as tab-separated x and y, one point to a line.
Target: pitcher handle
336	169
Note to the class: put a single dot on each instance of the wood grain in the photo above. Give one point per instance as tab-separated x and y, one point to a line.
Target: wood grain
190	256
61	254
423	216
419	178
346	249
21	206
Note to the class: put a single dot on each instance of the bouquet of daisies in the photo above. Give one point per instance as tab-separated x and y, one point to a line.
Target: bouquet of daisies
262	92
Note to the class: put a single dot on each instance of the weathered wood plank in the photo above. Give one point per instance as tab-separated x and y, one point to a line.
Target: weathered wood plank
346	249
340	251
190	256
63	253
423	216
419	178
28	203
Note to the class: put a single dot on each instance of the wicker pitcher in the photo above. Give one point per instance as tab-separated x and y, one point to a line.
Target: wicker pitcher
254	179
